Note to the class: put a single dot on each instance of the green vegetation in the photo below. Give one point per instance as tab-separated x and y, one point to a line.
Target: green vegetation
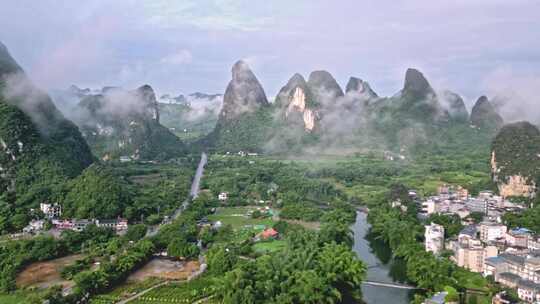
40	149
251	180
248	133
13	299
125	290
451	223
33	173
180	117
97	193
187	292
135	131
269	246
14	255
529	218
516	149
71	270
238	219
325	271
403	233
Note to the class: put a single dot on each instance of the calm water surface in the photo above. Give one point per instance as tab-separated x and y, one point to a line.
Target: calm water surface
381	266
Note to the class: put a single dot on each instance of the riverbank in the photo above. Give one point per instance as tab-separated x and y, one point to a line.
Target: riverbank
380	269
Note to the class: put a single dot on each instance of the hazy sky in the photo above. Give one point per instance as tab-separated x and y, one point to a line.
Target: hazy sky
472	47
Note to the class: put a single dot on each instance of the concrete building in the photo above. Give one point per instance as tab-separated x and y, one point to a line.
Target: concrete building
80	225
528	291
117	225
518	237
470	253
434	238
521	272
34	226
223	196
477	205
491	231
51	211
429	206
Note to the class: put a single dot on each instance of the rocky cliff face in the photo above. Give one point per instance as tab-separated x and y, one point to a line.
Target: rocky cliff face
485	116
455	106
418	101
150	109
39	148
324	87
244	94
416	85
59	135
361	88
126	123
245	119
296	102
515	159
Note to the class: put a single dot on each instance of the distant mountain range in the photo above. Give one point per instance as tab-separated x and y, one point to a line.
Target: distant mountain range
317	115
314	115
41	147
121	123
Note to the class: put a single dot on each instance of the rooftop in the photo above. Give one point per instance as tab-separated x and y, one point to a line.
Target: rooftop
518	231
526	284
469	230
512	258
507	276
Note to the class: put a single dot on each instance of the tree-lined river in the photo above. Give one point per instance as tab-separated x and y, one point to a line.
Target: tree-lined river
381	267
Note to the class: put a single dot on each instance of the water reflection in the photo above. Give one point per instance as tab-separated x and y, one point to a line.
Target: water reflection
381	266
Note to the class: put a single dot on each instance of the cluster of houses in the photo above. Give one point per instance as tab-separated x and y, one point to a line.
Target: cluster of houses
117	225
243	153
510	256
456	200
53	212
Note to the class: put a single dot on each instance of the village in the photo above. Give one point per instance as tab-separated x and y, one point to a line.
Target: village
53	212
510	257
250	218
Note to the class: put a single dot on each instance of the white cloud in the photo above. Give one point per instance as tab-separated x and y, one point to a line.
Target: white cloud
515	93
209	14
178	58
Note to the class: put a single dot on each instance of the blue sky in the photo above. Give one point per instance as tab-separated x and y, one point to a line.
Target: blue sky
472	47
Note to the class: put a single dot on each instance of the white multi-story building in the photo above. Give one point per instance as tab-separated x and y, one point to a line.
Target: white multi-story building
518	237
434	238
470	253
51	211
429	206
491	231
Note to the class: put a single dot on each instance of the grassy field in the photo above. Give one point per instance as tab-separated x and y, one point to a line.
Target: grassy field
269	246
13	299
237	217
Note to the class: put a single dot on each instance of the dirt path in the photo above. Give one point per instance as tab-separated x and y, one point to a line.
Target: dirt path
140	294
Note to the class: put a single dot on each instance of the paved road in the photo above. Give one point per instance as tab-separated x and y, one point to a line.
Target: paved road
198	175
195	187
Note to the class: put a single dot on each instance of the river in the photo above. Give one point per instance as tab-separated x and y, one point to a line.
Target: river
381	267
